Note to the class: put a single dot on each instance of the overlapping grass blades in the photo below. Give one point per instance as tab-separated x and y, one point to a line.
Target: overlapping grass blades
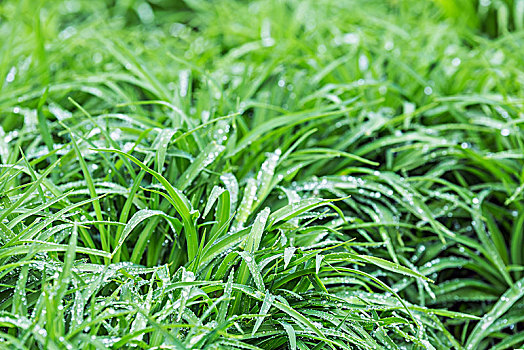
298	174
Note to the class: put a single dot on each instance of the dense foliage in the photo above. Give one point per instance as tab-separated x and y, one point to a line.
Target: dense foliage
302	174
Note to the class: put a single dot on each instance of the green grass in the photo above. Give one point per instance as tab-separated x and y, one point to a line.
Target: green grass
311	174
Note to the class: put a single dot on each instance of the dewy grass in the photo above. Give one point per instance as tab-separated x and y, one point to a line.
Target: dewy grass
261	175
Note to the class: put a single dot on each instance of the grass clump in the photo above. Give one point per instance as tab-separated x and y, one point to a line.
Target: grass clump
273	174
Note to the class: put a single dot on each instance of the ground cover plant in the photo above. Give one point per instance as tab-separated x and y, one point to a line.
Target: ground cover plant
279	174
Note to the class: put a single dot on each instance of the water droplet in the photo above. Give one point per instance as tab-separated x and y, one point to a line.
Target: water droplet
11	75
184	82
265	33
485	3
351	38
363	62
145	13
97	57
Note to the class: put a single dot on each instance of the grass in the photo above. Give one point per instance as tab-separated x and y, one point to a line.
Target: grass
272	174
